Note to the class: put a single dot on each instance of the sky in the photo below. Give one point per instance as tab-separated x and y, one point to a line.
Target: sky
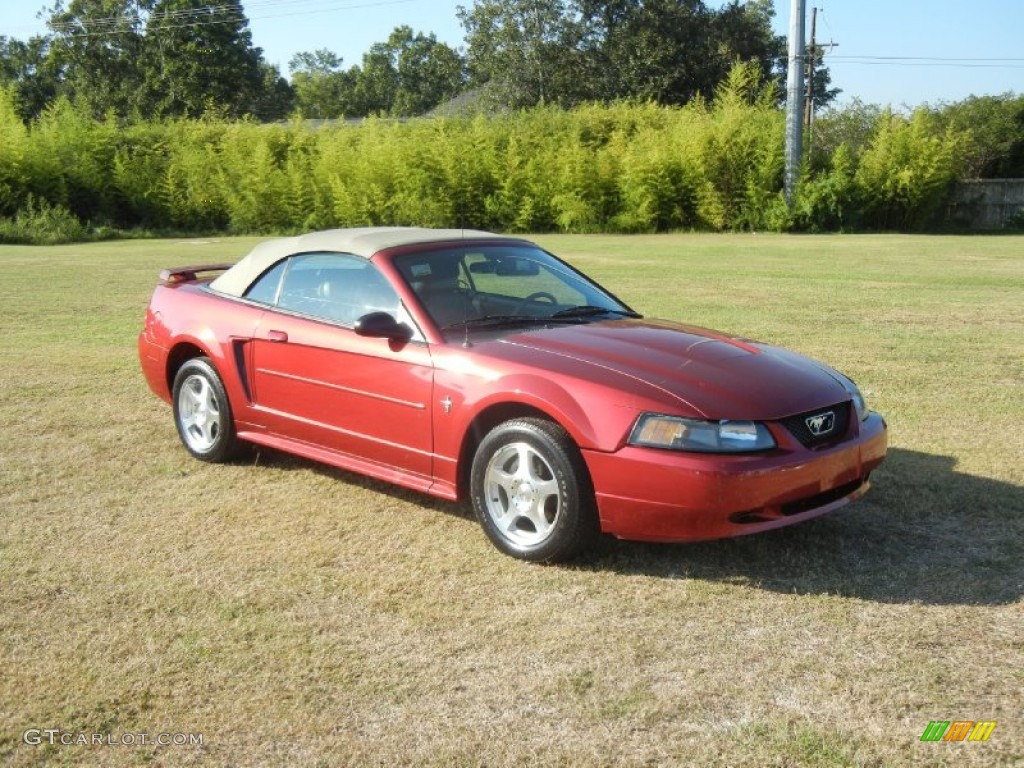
890	52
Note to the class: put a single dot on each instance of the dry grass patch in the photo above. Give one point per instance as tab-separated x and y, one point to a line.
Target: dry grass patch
297	615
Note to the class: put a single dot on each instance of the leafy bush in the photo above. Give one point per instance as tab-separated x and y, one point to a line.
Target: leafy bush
190	191
622	167
828	201
40	223
995	125
906	173
14	174
742	151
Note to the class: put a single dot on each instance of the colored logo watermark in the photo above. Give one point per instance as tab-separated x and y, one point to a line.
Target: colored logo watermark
958	730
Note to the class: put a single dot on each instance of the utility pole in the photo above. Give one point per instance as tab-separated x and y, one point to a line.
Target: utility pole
813	52
812	55
794	97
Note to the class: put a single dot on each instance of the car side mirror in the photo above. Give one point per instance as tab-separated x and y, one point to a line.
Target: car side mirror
381	325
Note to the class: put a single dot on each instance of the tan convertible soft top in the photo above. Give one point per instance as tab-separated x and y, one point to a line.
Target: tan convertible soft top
359	241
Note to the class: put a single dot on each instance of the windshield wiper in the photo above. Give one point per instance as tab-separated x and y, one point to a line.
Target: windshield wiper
589	310
495	320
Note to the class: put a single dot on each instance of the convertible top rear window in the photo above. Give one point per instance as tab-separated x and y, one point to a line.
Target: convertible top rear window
264	290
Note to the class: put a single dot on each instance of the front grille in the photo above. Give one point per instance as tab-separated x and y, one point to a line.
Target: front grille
799	428
806	504
821	499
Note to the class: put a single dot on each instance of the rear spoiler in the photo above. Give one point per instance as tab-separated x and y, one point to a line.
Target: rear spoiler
190	274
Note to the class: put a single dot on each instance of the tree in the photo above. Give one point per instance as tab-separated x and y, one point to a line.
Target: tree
566	51
429	72
322	88
996	127
529	50
275	99
821	95
409	74
853	126
377	81
198	55
320	62
96	48
743	31
659	50
26	68
155	58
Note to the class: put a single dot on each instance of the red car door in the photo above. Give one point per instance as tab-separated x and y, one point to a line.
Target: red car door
316	380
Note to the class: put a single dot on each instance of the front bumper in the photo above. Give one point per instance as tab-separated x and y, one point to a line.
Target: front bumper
648	494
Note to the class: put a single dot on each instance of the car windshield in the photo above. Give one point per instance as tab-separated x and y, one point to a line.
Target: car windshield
493	285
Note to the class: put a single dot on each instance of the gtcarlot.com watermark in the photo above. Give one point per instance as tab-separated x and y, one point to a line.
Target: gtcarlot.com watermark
56	737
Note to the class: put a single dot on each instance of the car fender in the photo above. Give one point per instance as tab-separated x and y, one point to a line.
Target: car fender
231	364
584	424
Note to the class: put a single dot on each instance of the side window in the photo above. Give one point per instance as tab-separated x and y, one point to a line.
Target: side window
264	290
335	287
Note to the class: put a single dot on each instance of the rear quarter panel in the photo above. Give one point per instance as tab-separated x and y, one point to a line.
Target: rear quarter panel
186	318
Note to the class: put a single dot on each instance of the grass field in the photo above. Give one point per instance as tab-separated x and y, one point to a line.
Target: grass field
296	615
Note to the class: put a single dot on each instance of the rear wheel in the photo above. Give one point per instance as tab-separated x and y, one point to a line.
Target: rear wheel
531	491
202	412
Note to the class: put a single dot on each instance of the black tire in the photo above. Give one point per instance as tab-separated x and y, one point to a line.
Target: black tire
531	491
202	412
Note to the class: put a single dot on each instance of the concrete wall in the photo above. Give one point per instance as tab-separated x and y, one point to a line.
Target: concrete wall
988	203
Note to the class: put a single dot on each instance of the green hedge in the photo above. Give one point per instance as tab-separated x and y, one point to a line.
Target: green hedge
597	168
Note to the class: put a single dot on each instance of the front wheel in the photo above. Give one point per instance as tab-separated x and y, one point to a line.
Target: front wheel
202	412
531	491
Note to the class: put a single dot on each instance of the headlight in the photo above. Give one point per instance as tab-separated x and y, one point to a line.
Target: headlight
655	431
855	395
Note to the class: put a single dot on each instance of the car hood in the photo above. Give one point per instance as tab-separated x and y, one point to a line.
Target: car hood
700	371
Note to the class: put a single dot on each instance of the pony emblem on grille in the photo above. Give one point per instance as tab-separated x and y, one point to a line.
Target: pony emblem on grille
821	423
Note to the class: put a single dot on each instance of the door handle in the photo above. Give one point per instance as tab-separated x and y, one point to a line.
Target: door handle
278	336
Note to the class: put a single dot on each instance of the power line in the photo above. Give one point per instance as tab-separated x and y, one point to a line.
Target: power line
201	16
895	61
923	58
214	14
112	22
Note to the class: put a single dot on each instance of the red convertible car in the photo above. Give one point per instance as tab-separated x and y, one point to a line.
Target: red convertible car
468	364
